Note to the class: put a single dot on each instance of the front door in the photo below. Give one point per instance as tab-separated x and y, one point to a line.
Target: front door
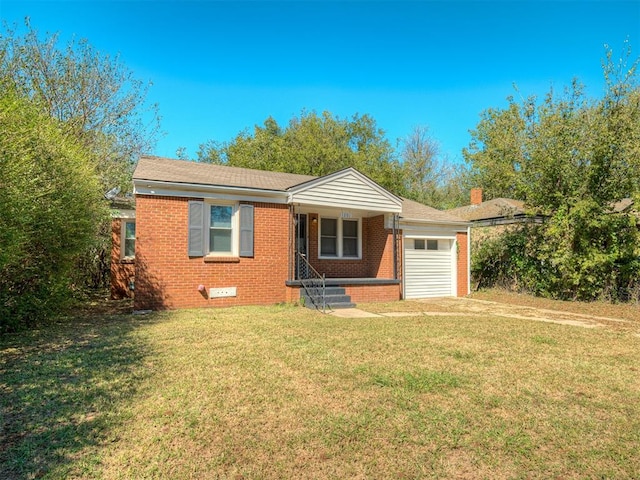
301	237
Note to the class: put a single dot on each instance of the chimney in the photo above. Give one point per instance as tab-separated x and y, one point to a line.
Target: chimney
476	196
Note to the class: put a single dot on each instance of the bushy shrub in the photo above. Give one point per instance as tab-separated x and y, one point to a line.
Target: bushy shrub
50	205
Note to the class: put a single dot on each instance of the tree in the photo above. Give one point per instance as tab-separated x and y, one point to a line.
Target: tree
98	98
495	152
101	104
50	206
571	158
428	178
312	144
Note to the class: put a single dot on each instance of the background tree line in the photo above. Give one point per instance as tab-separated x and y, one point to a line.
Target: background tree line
573	159
319	144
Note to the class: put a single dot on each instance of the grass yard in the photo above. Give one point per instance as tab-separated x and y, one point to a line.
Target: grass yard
284	392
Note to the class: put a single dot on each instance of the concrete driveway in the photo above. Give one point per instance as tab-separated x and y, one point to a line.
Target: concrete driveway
451	306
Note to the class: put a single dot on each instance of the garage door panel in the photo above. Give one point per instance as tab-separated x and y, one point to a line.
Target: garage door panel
428	273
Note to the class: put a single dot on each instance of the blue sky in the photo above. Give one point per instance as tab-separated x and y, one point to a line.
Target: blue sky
219	67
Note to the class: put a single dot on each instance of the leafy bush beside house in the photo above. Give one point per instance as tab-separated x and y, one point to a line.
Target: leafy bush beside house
570	158
50	204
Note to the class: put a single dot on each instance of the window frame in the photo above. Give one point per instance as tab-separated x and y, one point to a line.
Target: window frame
123	239
430	245
340	238
235	229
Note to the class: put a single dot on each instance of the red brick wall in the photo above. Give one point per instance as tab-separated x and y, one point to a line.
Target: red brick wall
122	271
377	252
463	264
373	293
476	196
168	278
360	293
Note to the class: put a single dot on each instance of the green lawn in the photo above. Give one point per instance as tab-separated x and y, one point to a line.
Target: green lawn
284	392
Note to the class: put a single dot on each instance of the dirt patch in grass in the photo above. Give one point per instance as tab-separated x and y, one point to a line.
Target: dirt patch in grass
504	304
627	311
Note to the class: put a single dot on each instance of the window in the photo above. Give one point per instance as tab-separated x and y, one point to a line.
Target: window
221	229
328	237
339	238
128	239
349	238
422	244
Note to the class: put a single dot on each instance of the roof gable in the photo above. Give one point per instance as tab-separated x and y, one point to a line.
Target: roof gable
346	188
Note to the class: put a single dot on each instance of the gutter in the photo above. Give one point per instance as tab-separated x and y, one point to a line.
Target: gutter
436	222
140	185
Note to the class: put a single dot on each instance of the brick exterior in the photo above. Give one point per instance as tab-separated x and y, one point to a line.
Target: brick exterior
167	278
377	252
476	196
122	271
373	293
463	264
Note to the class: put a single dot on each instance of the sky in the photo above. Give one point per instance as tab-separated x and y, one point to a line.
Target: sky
221	67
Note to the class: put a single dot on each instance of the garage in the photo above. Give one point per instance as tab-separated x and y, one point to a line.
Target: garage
429	266
434	252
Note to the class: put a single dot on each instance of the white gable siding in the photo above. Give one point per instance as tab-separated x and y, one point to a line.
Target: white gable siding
348	191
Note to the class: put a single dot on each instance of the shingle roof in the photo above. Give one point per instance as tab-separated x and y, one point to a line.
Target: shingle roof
180	171
412	210
623	205
496	208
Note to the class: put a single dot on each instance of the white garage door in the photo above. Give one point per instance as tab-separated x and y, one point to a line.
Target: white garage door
428	268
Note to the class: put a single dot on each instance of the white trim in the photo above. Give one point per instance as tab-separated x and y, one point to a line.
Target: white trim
169	189
346	189
421	221
123	238
468	261
235	228
339	238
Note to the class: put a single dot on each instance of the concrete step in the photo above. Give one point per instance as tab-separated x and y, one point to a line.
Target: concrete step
328	291
332	301
335	306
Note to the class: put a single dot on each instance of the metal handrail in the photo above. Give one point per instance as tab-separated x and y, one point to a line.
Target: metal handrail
311	279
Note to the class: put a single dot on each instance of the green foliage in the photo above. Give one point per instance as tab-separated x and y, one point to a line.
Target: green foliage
429	178
571	158
507	260
50	204
312	144
495	152
98	98
101	104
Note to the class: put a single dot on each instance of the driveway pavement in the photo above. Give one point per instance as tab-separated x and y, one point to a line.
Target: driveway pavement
451	306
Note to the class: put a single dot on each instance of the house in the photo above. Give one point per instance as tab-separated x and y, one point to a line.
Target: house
498	211
212	235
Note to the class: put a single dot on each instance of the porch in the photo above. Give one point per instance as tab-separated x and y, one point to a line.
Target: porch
340	258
